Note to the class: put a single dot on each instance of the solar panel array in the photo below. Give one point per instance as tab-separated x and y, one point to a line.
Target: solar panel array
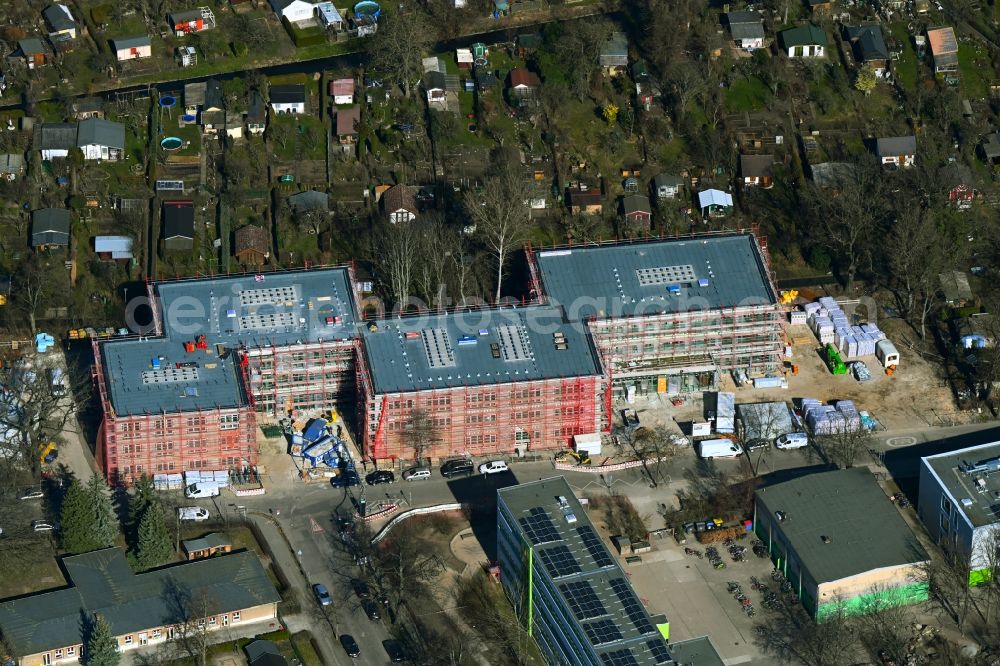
559	561
658	275
594	546
583	600
631	605
601	632
513	342
619	658
538	526
273	296
170	375
438	348
659	651
257	322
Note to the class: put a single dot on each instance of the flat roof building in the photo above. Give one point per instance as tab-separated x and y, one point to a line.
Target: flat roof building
495	381
958	504
673	312
578	599
840	542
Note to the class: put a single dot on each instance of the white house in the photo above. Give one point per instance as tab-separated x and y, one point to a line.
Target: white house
342	91
746	29
294	10
60	22
804	41
132	48
897	151
100	139
288	99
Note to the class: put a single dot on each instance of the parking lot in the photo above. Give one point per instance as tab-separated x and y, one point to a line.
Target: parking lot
693	596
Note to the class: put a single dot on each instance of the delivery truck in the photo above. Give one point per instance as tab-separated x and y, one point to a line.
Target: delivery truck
718	448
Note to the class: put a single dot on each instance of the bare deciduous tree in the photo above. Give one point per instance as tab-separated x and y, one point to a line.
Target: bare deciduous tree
421	432
655	447
843	448
398	46
396	248
501	215
790	634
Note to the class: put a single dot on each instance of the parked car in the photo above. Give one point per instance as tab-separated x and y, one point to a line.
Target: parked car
44	526
371	610
192	513
346	479
32	494
394	649
792	440
457	467
361	588
380	476
493	467
350	645
322	596
417	474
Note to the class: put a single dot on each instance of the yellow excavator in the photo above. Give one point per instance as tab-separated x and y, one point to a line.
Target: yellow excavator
48	453
581	457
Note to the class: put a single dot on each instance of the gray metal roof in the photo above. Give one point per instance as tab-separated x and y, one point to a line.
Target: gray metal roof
745	25
213	540
31	46
103	583
131	42
869	43
764	420
59	17
756	166
896	145
634	633
253	310
400	352
696	652
864	529
100	132
606	280
58	136
120	247
50	226
980	509
11	163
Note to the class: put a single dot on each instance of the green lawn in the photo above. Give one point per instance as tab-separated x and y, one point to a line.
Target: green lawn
905	69
974	64
190	134
747	95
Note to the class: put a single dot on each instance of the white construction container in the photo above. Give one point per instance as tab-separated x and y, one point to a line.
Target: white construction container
886	353
590	442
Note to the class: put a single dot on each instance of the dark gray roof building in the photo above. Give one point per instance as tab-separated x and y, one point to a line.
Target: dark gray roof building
102	582
896	145
722	271
58	136
287	94
100	132
745	25
31	46
868	42
58	18
50	226
839	524
131	42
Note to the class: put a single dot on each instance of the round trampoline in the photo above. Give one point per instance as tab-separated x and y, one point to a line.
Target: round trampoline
367	8
188	118
168	101
171	143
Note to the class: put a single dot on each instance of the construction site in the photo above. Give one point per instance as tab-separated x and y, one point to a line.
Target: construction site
607	322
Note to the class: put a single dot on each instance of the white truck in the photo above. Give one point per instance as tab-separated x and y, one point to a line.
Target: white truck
718	448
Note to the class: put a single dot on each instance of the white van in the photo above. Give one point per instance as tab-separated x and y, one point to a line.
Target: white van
493	467
792	440
201	489
718	448
192	513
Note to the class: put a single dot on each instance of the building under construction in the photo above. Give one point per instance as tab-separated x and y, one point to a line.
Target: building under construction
487	382
652	316
222	353
668	315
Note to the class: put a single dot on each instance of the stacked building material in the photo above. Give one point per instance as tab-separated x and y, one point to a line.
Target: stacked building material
830	419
